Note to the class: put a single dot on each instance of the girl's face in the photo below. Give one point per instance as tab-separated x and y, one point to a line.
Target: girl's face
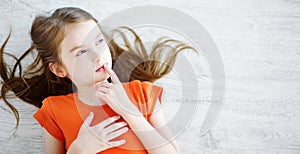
84	52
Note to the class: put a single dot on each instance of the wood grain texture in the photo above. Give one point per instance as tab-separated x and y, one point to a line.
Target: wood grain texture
260	45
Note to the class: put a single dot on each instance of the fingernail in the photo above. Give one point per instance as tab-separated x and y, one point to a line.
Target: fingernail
105	65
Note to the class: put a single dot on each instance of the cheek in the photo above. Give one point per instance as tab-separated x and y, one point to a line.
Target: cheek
79	67
66	63
81	73
71	64
107	56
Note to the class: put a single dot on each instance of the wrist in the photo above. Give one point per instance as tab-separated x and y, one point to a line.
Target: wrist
76	147
128	109
137	122
133	116
129	115
131	111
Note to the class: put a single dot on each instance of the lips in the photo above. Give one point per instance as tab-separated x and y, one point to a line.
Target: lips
101	68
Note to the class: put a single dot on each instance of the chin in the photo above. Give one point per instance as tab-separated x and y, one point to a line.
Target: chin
104	78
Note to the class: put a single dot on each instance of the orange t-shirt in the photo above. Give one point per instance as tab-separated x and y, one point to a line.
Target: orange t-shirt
62	116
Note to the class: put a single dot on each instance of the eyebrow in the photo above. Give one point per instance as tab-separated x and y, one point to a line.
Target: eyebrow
80	46
75	48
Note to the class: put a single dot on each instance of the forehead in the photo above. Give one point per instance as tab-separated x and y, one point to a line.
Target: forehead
79	33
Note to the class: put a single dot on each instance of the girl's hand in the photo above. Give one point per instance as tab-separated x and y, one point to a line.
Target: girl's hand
97	138
115	95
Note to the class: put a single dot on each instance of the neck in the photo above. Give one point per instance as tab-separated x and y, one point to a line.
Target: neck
87	95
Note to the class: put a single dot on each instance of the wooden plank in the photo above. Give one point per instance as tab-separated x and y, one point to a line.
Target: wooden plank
259	43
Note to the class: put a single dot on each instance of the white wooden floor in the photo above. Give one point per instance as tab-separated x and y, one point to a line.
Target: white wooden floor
259	42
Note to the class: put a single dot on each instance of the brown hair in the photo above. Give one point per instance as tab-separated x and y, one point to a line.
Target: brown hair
37	82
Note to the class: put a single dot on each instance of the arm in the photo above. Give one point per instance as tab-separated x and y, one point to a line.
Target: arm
157	120
97	138
52	145
90	139
154	141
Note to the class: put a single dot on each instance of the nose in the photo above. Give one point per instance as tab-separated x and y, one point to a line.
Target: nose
96	56
97	60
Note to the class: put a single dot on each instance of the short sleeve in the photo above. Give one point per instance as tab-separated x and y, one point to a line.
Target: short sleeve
144	95
46	119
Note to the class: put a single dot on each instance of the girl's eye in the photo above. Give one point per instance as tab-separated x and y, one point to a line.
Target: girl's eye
99	42
80	52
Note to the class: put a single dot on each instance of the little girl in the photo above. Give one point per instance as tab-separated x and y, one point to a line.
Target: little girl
72	79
